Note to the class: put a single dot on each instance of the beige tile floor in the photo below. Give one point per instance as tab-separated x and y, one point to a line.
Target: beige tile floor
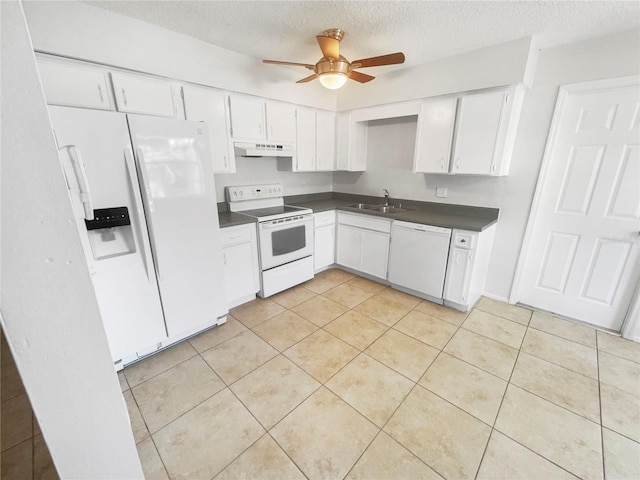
345	378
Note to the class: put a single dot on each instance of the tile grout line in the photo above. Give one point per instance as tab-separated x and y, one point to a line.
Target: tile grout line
600	409
493	426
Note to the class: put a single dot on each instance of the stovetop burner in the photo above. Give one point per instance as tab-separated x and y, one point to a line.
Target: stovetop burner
270	211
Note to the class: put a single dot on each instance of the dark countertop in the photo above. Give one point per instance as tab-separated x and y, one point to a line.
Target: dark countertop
464	217
231	219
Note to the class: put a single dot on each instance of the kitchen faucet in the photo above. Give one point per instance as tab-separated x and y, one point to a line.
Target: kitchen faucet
386	197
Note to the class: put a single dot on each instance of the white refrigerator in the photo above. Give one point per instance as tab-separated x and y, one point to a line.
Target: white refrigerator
144	198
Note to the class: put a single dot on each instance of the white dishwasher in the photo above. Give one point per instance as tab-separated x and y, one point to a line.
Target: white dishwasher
418	258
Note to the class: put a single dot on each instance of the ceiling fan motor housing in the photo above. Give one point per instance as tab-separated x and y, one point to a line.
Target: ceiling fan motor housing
331	65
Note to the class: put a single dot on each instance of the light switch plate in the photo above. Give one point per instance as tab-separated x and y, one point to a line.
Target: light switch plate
441	192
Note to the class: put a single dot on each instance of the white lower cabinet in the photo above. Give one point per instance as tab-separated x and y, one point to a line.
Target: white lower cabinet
324	248
240	254
363	243
467	267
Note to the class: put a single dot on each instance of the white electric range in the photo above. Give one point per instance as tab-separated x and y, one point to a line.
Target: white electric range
285	235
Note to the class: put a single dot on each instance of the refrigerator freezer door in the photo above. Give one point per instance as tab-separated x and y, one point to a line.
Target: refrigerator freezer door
176	173
128	297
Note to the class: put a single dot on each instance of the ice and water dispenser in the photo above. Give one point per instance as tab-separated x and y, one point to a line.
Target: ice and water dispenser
110	233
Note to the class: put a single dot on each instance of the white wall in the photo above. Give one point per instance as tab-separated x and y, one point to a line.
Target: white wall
90	33
506	64
254	171
390	148
48	308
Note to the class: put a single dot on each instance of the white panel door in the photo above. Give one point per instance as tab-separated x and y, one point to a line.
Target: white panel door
583	258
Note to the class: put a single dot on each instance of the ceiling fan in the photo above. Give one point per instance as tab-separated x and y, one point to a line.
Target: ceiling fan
333	69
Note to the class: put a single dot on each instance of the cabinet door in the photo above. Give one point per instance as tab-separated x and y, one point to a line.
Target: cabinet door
306	140
247	118
281	122
342	141
351	138
456	285
375	253
349	246
325	141
207	105
477	133
74	86
143	95
434	136
238	272
324	246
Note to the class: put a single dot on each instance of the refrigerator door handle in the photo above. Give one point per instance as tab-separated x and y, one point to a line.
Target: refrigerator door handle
83	182
148	201
142	233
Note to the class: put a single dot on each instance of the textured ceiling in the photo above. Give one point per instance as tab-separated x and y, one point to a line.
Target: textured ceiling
423	30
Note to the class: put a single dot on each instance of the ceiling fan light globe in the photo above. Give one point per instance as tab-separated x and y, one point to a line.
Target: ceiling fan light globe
333	81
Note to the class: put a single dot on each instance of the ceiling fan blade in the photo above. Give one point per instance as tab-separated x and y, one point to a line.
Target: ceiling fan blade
278	62
308	79
390	59
330	46
360	77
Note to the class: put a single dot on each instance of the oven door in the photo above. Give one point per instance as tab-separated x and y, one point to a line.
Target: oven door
285	240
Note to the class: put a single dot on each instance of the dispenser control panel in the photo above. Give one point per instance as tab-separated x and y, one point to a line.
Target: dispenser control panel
108	218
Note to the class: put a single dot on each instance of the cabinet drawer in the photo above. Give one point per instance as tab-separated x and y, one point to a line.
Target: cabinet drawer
324	218
235	235
464	240
363	221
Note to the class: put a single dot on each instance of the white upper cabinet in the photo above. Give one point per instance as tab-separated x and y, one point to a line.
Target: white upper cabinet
315	141
469	134
305	160
210	106
247	118
281	122
434	135
351	143
137	94
325	141
475	147
75	86
255	120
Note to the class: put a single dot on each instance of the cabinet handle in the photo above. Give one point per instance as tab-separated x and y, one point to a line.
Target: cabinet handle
225	161
458	163
124	96
441	163
100	93
224	256
493	168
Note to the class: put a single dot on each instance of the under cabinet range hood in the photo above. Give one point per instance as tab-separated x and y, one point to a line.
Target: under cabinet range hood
264	149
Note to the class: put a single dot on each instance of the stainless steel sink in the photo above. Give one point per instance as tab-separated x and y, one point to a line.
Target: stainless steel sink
376	208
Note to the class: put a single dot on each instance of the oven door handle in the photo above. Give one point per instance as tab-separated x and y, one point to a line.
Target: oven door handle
269	225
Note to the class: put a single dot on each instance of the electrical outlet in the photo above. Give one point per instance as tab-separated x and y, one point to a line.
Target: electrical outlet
441	192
